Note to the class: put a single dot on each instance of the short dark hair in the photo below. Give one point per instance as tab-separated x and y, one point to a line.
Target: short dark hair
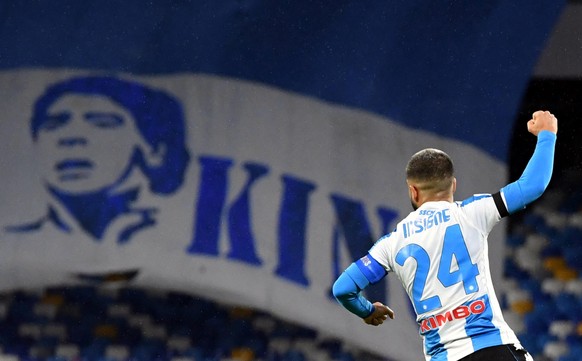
159	117
431	168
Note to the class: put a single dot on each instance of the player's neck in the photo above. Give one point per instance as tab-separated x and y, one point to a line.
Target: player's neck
436	197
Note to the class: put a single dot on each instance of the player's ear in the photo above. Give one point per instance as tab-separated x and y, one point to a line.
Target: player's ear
413	191
454	185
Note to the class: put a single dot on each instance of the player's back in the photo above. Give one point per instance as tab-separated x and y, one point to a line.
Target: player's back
439	253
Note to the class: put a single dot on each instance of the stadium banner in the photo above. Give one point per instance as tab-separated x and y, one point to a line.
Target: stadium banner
247	151
233	190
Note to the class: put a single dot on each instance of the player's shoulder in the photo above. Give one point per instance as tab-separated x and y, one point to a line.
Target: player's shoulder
478	205
475	199
387	237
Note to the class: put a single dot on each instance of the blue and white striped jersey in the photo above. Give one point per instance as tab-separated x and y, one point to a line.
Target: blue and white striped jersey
440	255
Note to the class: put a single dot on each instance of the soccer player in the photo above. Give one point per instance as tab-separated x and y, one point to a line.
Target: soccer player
439	253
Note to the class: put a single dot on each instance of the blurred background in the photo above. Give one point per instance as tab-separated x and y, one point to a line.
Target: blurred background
185	180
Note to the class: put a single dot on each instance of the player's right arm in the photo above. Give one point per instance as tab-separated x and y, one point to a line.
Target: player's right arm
347	290
538	172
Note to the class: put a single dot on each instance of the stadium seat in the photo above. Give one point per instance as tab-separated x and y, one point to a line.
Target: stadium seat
561	329
179	344
566	274
8	357
121	310
528	259
56	330
556	219
140	320
555	349
552	286
242	354
554	263
32	330
515	320
154	332
45	310
574	287
106	331
67	351
116	352
522	306
575	220
280	344
40	352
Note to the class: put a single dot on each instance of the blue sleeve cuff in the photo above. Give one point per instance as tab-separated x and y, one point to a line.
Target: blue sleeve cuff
371	269
358	276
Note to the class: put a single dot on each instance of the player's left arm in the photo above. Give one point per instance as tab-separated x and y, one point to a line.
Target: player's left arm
486	210
538	172
347	290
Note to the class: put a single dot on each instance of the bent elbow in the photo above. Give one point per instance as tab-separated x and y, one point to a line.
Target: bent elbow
339	290
344	288
537	190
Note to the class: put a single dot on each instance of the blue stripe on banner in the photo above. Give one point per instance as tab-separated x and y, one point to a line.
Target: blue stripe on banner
474	65
480	328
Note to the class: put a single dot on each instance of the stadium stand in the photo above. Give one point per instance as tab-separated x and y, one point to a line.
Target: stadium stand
95	323
543	269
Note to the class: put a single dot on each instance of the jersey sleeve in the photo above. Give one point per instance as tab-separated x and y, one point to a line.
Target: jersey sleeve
380	252
347	291
365	271
535	177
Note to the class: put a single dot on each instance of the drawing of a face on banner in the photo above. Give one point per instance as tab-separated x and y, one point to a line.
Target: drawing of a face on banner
96	137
